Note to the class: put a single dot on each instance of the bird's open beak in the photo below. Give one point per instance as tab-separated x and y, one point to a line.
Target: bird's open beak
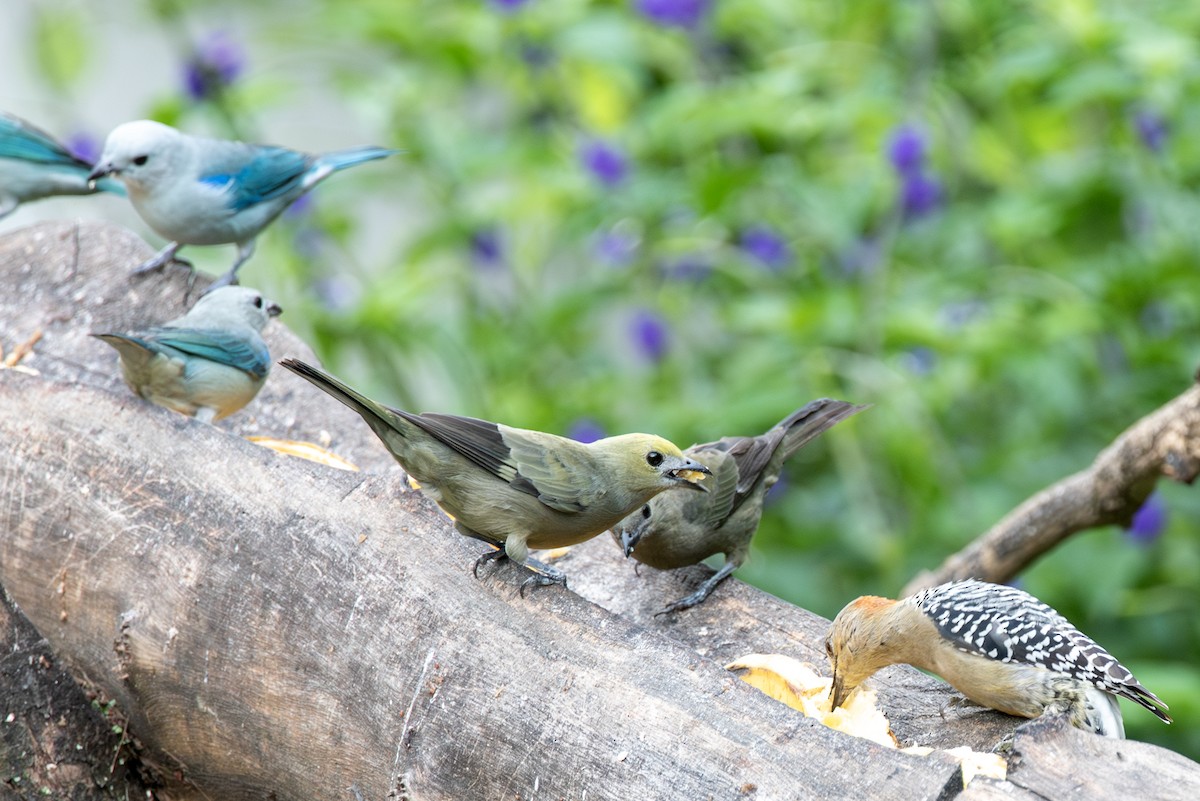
99	171
273	309
690	474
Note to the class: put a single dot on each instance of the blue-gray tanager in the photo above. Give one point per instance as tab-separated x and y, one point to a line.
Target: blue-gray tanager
198	191
33	165
208	363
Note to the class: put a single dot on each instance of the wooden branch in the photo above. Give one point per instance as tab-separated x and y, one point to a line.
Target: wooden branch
1109	492
273	628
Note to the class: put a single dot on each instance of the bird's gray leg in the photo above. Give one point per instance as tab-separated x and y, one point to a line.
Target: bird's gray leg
161	259
544	575
703	591
245	251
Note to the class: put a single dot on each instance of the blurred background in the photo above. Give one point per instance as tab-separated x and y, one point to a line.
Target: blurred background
692	216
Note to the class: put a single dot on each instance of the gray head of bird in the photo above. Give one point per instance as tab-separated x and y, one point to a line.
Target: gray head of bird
232	307
142	153
857	645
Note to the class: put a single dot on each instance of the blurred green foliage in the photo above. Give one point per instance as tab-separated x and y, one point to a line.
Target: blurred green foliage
577	174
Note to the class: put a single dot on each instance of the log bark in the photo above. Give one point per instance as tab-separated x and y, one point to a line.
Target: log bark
271	628
1164	443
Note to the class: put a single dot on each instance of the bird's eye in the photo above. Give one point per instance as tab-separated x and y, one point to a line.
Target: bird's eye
646	511
140	160
258	301
654	458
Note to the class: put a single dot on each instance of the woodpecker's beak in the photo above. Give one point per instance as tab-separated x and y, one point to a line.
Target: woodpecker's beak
838	692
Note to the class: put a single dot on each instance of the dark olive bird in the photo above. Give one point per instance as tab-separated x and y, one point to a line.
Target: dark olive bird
519	489
672	531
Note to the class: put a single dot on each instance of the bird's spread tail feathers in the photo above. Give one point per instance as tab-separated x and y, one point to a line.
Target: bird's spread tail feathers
806	424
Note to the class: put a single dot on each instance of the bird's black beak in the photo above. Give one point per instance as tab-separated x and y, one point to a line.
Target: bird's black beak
630	539
273	309
99	171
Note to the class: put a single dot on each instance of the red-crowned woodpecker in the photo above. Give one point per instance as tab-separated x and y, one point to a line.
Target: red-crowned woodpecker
997	645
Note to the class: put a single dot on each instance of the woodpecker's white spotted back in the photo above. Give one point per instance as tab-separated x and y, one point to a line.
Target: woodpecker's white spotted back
1010	625
997	645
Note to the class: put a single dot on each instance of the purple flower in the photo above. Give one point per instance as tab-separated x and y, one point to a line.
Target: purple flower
775	493
83	146
919	359
920	194
508	5
861	257
585	430
335	293
301	207
649	334
487	249
677	13
906	149
604	161
766	246
1149	521
1151	129
616	248
216	63
687	268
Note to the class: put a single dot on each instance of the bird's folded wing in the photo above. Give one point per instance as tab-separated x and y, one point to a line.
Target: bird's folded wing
254	174
514	456
245	353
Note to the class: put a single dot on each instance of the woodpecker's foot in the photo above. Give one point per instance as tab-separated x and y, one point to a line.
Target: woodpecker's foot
490	556
544	576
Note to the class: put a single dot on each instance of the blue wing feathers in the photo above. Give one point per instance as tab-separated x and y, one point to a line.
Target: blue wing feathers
233	350
20	140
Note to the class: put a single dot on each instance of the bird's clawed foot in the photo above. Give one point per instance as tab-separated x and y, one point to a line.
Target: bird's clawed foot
490	556
702	592
161	259
543	576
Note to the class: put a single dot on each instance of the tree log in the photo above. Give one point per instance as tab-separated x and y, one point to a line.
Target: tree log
271	628
1165	442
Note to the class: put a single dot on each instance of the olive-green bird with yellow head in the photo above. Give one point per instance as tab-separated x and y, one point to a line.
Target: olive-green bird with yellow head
520	489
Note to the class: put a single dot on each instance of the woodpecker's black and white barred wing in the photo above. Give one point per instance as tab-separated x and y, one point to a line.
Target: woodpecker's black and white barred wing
1010	625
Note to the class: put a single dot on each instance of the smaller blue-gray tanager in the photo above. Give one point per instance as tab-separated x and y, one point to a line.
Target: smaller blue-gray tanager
34	165
199	191
208	363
